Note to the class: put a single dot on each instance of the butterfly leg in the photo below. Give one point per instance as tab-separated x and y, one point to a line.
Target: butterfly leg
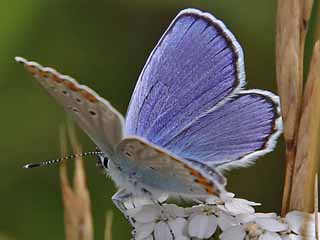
119	198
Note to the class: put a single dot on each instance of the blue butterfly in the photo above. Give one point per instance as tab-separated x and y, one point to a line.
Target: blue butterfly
188	118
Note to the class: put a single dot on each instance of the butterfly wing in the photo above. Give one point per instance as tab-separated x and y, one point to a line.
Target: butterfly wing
94	115
156	169
193	80
234	134
196	65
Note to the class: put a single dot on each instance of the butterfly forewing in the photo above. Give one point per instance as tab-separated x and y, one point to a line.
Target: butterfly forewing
195	65
94	114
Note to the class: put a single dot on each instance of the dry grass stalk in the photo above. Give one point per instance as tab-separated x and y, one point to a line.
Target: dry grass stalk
289	80
306	7
108	227
308	139
316	206
76	200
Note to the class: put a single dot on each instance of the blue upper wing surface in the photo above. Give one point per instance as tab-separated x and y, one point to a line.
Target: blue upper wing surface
234	134
197	66
193	67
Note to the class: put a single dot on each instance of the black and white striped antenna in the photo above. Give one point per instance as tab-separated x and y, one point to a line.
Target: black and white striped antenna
58	160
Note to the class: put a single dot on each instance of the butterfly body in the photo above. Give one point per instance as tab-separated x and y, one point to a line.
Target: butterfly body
188	118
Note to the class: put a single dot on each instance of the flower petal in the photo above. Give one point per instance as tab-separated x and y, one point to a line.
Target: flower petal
178	226
144	230
145	214
233	233
225	221
266	215
245	218
271	225
226	196
292	237
238	206
269	236
202	226
296	221
149	238
174	210
182	238
162	231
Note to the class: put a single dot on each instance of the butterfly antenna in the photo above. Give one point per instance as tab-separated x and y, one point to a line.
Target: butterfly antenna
56	161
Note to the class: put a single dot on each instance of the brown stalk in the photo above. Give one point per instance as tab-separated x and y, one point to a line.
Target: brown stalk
76	200
108	227
308	139
317	32
316	206
306	9
289	80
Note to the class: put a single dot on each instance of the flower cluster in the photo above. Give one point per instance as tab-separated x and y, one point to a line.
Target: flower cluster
228	217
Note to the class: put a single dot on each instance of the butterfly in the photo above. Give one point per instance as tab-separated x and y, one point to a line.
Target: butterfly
188	119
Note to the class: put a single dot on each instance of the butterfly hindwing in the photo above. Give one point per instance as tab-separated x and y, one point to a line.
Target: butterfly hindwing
95	115
234	134
157	169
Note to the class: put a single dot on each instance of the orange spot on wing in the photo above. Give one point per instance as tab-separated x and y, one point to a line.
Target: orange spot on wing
71	86
194	172
44	74
89	96
56	78
211	190
207	184
202	181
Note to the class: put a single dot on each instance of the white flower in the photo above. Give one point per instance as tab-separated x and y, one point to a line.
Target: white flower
226	221
302	224
163	222
271	225
292	237
235	217
234	233
233	206
204	220
257	226
202	226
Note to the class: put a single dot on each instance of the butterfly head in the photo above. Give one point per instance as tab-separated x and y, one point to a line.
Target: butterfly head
102	159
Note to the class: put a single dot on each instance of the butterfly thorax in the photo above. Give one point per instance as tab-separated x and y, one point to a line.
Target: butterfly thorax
126	176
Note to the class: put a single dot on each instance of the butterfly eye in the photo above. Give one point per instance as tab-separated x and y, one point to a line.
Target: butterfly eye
105	161
102	159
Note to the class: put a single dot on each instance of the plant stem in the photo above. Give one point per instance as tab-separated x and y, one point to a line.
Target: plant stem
289	79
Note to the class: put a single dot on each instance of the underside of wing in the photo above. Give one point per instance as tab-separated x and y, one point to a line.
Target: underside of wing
157	170
196	65
94	115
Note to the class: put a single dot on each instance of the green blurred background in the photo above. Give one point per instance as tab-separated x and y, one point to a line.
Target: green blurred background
104	44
